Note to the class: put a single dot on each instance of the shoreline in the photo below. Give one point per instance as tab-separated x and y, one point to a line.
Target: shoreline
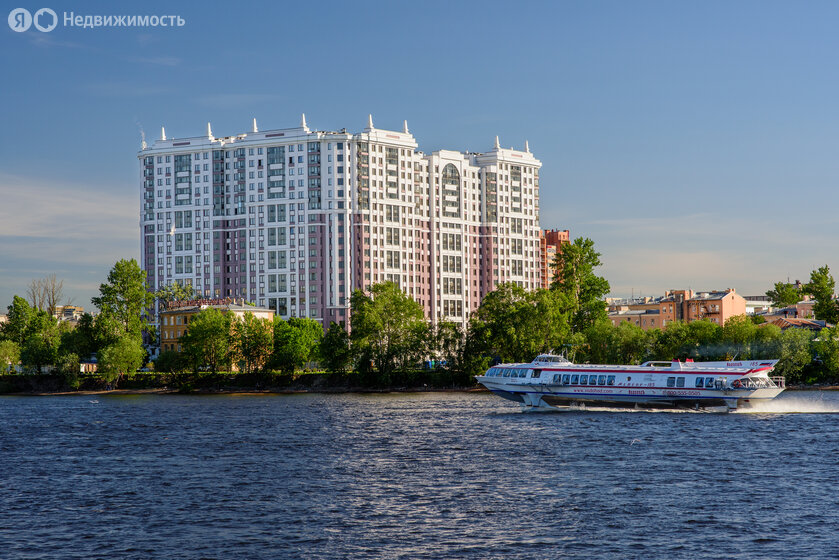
244	391
298	390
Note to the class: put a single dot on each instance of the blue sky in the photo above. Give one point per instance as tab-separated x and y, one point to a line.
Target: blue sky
694	142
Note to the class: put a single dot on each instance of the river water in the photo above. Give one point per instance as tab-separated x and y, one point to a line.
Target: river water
431	475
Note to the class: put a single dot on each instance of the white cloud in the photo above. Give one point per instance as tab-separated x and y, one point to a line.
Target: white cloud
707	251
74	230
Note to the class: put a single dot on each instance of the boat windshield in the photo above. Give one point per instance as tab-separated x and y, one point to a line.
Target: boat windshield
550	359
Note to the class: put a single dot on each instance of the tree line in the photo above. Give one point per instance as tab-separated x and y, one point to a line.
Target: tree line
390	342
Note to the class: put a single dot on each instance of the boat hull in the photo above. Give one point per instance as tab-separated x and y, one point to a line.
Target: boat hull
652	399
554	381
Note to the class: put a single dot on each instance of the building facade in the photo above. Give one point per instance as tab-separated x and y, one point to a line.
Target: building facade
296	219
677	305
175	319
550	242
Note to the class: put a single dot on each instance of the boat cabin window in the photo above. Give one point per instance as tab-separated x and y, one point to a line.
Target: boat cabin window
700	382
566	379
506	372
611	380
557	377
680	382
535	372
709	382
671	381
575	379
592	380
601	380
584	380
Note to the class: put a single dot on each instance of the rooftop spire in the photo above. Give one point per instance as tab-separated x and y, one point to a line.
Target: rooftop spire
209	131
527	146
405	127
255	129
303	120
497	144
370	121
162	133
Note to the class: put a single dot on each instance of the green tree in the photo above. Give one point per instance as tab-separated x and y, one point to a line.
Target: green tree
335	351
515	325
821	287
455	346
121	358
388	330
207	340
583	289
631	343
81	339
794	354
68	368
599	347
766	343
622	344
737	336
9	355
253	342
175	291
40	348
20	315
170	361
826	348
784	294
125	297
672	342
296	343
704	341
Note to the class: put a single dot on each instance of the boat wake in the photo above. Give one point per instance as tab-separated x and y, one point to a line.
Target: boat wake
792	405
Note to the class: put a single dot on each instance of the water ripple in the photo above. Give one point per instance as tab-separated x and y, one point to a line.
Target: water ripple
411	476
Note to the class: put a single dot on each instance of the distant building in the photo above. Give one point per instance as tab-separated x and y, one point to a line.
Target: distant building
757	305
801	310
71	313
550	240
296	219
644	318
677	305
792	323
176	318
4	319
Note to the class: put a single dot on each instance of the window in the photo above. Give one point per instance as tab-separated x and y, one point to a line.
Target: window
709	382
592	380
575	379
601	380
671	381
680	382
611	380
583	379
700	382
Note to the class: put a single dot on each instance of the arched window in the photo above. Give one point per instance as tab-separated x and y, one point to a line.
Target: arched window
451	192
451	176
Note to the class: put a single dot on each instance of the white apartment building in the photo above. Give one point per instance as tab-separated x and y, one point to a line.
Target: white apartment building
296	219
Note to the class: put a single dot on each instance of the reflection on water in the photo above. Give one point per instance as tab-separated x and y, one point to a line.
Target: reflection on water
427	475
